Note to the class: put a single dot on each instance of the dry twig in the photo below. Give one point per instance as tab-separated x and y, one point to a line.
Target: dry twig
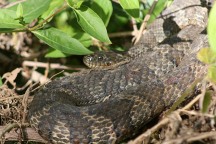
31	135
145	21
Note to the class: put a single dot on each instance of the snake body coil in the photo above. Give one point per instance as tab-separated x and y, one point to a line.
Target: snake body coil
111	105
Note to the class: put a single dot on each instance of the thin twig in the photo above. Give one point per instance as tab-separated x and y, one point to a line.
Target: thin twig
145	21
12	97
122	34
48	18
134	24
178	112
52	65
182	111
29	82
191	103
150	131
8	128
166	120
31	135
25	102
189	139
39	25
13	3
183	96
47	81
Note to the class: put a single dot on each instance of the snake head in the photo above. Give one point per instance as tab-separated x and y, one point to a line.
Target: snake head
102	59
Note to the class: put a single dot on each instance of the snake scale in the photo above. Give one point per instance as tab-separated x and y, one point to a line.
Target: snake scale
112	105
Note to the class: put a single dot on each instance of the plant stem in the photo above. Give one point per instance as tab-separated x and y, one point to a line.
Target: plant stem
46	20
14	30
37	26
145	21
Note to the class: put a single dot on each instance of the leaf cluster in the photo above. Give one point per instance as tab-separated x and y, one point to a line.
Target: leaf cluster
208	55
76	22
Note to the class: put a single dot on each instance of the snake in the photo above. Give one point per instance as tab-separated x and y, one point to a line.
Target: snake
101	59
108	106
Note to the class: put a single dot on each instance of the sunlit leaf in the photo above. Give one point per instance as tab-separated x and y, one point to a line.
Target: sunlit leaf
75	3
131	7
32	9
206	55
119	19
212	73
1	83
91	23
212	28
61	41
19	11
72	28
159	7
55	4
7	19
103	8
54	53
206	102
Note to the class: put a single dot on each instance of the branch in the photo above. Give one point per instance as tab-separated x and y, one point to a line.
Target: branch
47	19
30	135
51	65
145	21
122	34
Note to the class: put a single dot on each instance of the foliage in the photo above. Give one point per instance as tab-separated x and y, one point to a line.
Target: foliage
60	41
131	7
208	55
1	81
68	26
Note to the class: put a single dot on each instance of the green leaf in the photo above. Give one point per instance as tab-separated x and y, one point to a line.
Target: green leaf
212	73
68	24
61	41
206	55
75	3
206	102
19	11
1	83
5	30
160	6
84	38
212	28
103	8
91	23
54	53
55	4
7	19
32	9
169	2
81	36
119	19
131	7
